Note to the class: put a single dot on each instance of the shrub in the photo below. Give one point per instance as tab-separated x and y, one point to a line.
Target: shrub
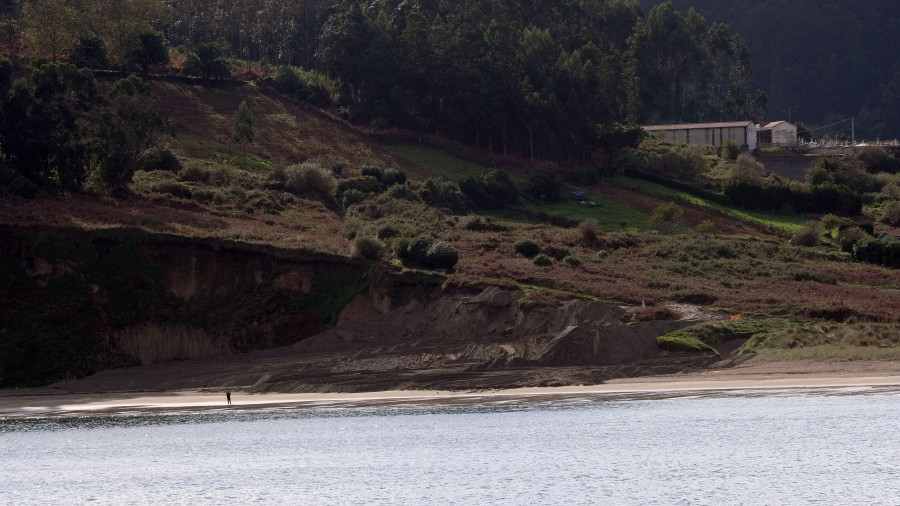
557	253
584	176
730	149
527	248
572	260
890	214
477	224
426	251
203	195
173	188
403	192
159	159
23	187
878	252
368	248
878	159
542	260
666	217
200	175
848	237
589	232
364	184
492	190
442	255
286	81
393	177
706	227
387	231
746	167
808	234
544	184
375	172
353	197
309	178
442	194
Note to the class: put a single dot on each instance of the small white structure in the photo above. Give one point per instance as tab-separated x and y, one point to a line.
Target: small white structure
776	133
713	134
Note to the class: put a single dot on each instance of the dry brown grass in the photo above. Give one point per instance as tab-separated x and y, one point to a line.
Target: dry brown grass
742	268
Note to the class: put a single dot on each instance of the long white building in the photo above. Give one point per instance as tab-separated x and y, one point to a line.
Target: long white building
714	134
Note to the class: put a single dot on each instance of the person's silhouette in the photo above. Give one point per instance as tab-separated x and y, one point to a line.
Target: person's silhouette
228	397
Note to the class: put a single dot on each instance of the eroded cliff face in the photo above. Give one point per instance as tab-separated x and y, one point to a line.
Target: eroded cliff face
73	302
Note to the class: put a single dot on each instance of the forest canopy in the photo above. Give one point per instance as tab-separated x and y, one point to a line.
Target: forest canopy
544	80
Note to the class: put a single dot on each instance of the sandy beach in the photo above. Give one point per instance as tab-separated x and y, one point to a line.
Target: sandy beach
57	401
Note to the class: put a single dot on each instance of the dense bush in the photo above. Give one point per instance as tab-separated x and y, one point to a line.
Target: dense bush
730	150
827	197
387	177
666	217
544	184
705	227
890	214
173	188
426	251
542	260
589	232
442	194
878	159
159	159
306	85
353	197
368	248
527	248
387	231
442	255
840	171
375	172
309	179
492	190
392	177
808	235
872	250
557	252
403	192
572	260
584	176
363	184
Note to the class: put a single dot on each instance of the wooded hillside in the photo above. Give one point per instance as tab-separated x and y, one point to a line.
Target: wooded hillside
819	62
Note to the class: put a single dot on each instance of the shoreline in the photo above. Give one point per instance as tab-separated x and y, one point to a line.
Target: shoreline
766	377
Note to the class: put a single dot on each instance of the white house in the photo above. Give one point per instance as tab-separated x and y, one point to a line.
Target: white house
714	134
776	133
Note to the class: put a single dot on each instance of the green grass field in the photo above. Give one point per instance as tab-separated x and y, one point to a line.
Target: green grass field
609	214
786	222
437	162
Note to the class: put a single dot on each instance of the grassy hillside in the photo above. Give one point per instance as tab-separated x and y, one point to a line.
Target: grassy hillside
709	255
739	261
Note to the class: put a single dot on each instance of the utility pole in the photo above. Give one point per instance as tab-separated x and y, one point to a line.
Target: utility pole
853	130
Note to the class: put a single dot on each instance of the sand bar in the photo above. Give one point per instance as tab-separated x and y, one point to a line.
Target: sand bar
53	402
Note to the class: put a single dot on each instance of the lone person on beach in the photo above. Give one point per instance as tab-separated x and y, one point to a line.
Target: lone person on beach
228	397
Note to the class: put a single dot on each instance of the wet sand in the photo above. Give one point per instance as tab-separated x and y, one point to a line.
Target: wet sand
742	380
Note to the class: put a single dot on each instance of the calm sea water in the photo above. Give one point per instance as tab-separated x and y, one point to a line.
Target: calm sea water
832	446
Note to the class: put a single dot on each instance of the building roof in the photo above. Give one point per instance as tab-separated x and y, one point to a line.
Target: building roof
895	233
771	125
697	126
